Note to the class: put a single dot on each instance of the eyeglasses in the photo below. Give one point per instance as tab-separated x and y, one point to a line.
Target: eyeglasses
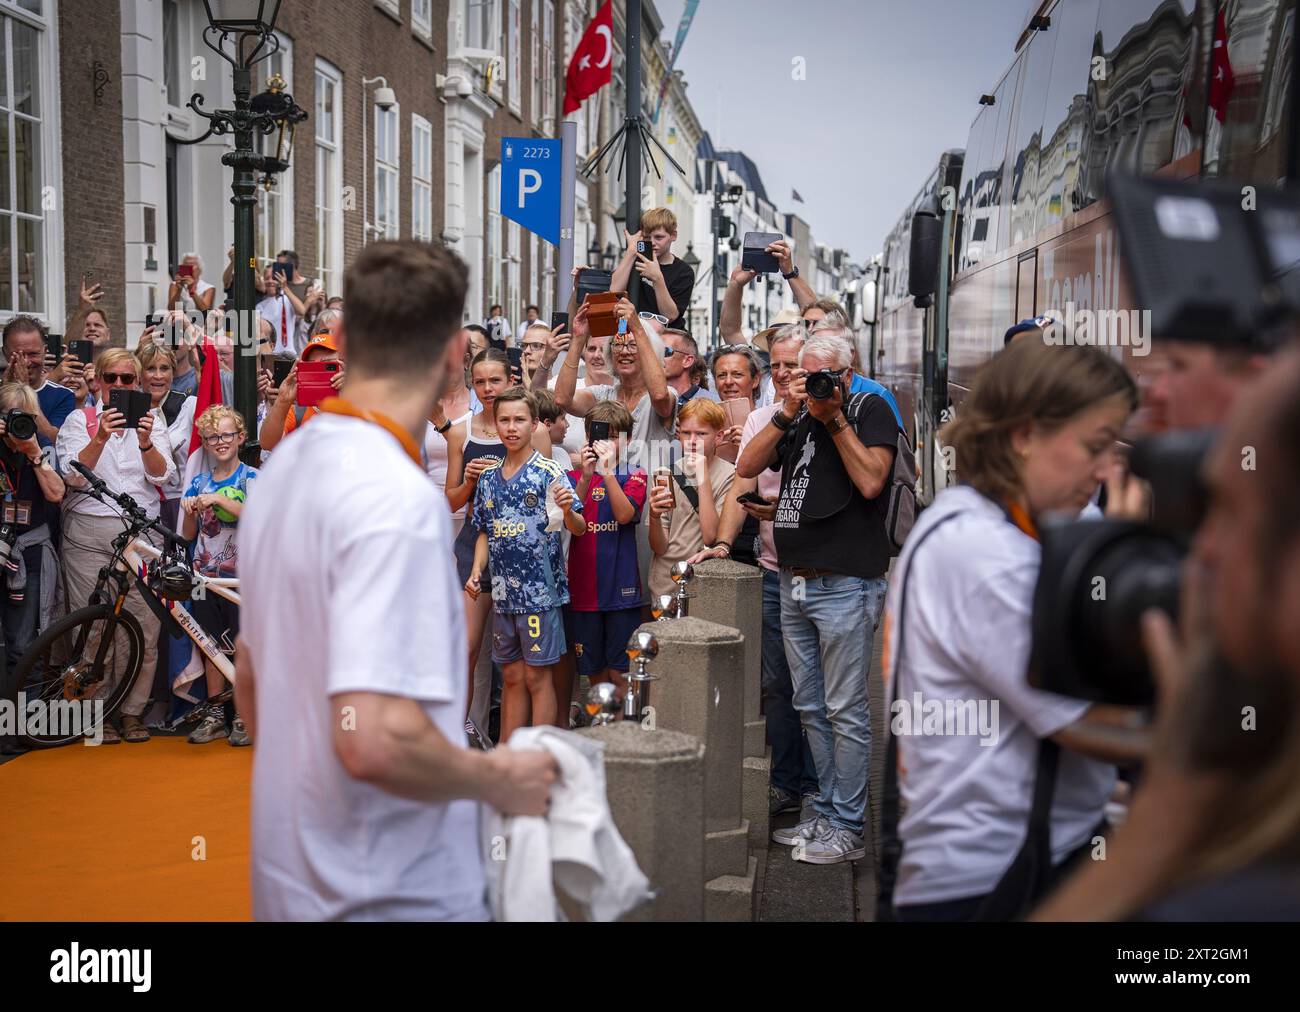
127	379
532	346
622	345
661	320
217	438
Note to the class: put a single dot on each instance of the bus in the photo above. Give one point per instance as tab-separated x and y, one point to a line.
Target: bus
1183	88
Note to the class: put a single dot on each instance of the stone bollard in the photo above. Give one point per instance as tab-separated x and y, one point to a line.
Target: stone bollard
700	693
655	785
731	594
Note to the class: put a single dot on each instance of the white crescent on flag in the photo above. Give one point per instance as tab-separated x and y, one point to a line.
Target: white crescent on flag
603	30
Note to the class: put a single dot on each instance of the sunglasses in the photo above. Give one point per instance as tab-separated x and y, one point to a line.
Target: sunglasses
661	320
124	378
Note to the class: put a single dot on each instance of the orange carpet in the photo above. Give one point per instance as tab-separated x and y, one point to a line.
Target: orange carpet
108	833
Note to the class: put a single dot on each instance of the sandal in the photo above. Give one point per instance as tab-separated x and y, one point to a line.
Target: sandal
108	735
133	729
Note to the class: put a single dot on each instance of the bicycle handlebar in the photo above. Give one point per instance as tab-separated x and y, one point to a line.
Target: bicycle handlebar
132	509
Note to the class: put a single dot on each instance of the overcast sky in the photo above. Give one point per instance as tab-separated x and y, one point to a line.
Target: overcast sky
890	85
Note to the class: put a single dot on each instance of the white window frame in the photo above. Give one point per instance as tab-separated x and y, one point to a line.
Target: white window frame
492	237
50	308
549	105
515	57
330	266
422	21
514	310
421	184
392	7
389	227
283	188
535	77
175	104
534	271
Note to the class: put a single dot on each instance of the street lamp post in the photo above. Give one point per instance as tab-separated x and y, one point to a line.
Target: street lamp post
249	26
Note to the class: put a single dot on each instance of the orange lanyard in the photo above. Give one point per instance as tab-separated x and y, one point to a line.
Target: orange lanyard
338	406
1021	519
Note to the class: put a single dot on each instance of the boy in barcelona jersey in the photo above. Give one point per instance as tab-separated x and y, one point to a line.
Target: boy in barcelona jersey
604	578
519	507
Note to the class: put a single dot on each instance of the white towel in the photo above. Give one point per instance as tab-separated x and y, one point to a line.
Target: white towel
575	849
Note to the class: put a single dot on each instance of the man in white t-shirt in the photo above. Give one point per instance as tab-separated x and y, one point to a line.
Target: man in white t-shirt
351	663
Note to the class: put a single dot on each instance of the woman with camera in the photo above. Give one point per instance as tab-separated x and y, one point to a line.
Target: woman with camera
158	366
999	803
134	462
31	489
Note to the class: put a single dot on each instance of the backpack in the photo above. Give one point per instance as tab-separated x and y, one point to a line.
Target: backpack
900	497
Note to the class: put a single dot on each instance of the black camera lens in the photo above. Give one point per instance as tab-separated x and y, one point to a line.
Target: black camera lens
820	385
20	425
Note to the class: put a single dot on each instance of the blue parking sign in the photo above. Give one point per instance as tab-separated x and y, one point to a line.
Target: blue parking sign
530	185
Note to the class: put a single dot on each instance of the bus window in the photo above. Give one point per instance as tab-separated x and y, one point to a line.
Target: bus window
1137	106
1065	116
979	136
1026	145
1248	115
996	196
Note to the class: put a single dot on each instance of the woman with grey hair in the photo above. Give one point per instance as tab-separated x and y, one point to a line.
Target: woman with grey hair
33	491
188	289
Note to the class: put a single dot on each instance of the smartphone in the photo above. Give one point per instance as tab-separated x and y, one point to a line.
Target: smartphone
643	247
737	410
754	257
591	281
560	320
284	270
184	271
84	350
664	479
314	383
54	346
134	405
599	432
280	370
754	498
516	356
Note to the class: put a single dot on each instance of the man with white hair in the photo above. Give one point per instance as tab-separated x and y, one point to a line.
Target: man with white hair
836	454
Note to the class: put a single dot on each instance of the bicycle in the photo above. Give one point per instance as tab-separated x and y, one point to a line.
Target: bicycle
107	642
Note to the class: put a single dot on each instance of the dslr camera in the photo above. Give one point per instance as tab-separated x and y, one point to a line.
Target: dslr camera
1211	272
822	384
21	425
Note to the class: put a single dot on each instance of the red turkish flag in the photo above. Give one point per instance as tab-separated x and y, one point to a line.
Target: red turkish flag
592	65
1222	80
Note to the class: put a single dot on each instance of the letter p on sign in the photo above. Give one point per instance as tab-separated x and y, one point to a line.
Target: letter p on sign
530	181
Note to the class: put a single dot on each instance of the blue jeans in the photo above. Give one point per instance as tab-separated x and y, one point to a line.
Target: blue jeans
829	623
792	765
20	618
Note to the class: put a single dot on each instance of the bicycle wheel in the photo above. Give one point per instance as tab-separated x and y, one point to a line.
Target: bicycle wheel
80	669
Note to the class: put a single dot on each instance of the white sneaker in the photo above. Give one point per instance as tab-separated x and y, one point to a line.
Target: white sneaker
807	830
834	846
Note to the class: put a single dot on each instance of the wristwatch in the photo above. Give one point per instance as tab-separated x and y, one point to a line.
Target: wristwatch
837	425
792	275
781	421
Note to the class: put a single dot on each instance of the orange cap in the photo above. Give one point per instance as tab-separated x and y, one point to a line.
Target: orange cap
322	340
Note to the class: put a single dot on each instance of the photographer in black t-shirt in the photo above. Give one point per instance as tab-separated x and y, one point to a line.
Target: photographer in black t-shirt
654	279
29	495
836	455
